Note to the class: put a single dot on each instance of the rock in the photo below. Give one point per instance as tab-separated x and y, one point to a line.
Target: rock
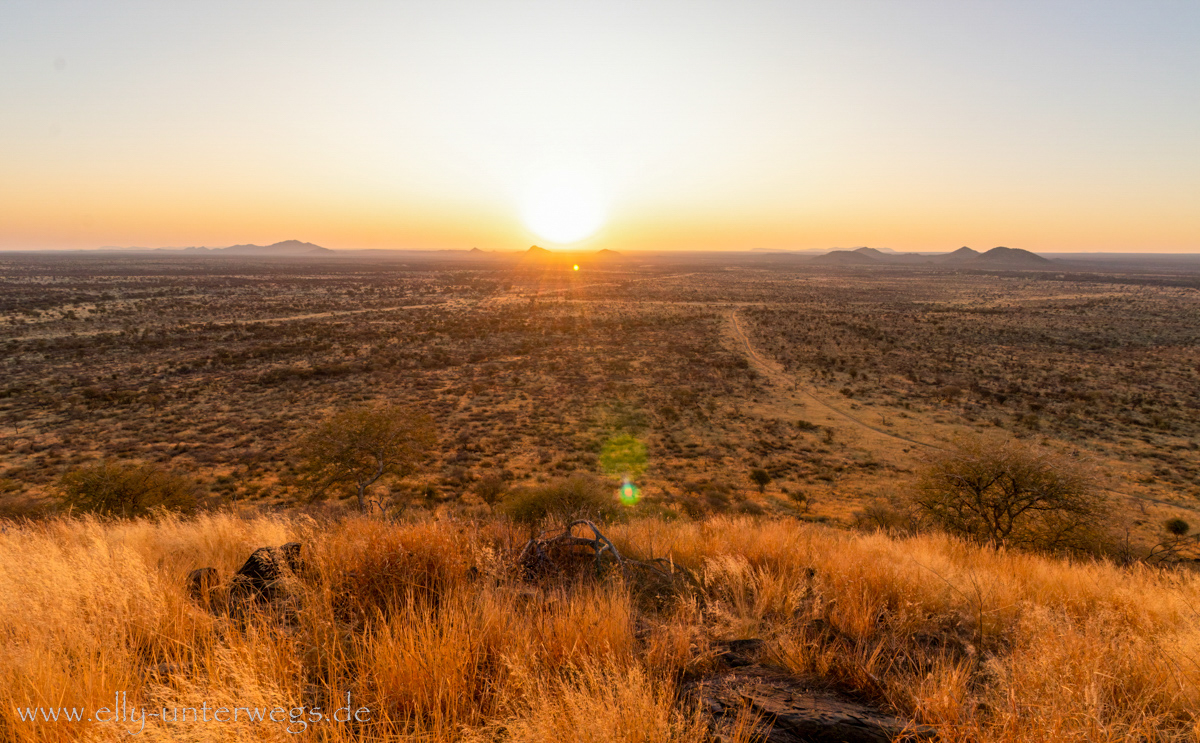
259	577
798	711
291	554
201	582
171	669
738	653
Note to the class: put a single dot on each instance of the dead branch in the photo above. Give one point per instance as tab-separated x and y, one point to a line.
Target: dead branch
537	556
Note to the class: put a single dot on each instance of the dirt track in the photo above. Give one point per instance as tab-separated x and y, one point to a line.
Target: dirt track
772	370
775	373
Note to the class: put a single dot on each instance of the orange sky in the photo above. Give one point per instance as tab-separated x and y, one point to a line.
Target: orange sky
1055	127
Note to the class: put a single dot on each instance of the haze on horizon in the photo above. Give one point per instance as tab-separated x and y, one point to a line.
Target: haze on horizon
1051	126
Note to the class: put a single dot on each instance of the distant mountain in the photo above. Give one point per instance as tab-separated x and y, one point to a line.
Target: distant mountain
872	252
606	255
1011	258
475	251
962	255
535	250
847	258
287	247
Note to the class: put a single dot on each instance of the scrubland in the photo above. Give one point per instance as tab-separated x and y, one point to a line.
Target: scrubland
426	624
214	367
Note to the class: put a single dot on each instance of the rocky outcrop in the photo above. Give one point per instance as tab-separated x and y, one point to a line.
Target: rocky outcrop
260	580
793	709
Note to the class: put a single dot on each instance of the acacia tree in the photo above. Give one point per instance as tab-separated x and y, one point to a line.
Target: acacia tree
353	449
1010	493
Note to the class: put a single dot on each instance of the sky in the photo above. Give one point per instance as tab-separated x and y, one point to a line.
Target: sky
1041	124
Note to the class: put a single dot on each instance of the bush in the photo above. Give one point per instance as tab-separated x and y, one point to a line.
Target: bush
891	515
573	498
1010	493
1177	527
121	489
491	489
760	477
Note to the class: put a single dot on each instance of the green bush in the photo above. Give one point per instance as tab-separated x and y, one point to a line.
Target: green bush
576	497
120	489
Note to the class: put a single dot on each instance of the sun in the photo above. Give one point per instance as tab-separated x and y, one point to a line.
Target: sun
562	209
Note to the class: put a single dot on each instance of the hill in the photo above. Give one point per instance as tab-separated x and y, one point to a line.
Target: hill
846	258
964	257
287	247
1011	258
605	256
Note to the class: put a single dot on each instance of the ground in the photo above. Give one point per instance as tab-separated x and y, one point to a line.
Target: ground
835	381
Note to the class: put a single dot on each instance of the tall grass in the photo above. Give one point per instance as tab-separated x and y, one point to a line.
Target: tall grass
426	626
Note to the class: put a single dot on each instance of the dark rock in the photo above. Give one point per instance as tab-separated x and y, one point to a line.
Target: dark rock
798	711
201	582
291	554
738	653
258	579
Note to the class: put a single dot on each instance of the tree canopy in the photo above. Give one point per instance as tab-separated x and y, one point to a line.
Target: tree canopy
356	447
1011	493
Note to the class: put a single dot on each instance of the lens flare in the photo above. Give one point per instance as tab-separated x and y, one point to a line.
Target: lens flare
623	456
629	493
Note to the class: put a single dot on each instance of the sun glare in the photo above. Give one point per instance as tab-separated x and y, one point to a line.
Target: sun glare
562	209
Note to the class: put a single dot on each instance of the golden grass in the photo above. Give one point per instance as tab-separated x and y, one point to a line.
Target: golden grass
423	624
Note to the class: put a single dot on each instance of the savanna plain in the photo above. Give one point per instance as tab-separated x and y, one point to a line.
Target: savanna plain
949	504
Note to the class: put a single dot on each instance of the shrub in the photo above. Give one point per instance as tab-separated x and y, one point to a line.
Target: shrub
572	498
123	489
890	514
1177	527
1010	493
760	477
491	489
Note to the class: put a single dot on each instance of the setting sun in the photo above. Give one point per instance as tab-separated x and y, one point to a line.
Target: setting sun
562	209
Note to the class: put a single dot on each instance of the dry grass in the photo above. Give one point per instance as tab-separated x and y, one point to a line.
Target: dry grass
423	624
